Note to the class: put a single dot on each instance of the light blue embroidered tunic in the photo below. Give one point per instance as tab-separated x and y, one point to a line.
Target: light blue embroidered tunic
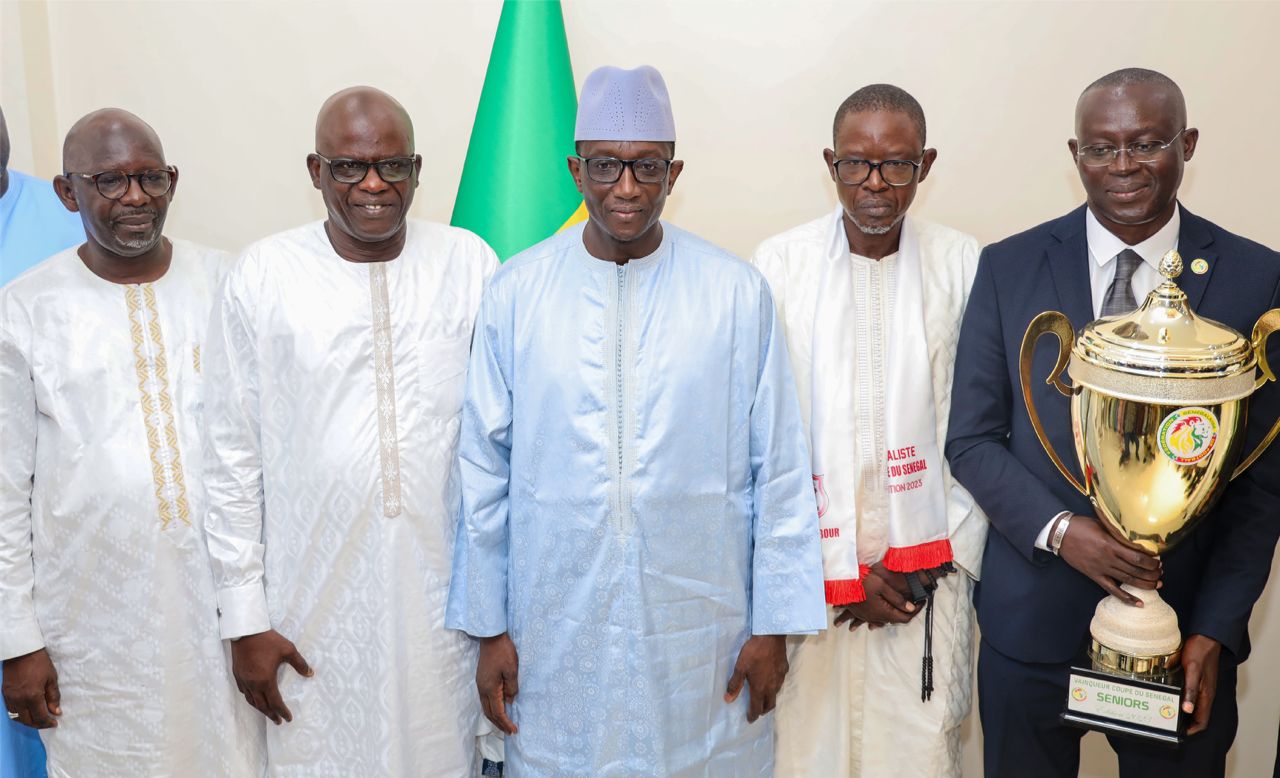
636	503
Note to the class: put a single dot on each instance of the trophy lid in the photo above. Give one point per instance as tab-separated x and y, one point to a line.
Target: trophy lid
1165	340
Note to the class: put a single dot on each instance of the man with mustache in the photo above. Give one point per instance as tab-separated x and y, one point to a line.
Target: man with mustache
341	352
871	300
1050	560
638	532
110	638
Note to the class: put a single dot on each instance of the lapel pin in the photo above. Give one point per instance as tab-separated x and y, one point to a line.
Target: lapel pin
1199	266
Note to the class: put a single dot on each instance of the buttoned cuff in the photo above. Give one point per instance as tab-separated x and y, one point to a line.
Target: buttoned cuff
242	610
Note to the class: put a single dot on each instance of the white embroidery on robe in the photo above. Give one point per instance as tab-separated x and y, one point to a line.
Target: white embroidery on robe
385	378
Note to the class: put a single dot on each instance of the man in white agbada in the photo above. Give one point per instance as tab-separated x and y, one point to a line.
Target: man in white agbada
341	349
871	300
638	532
109	627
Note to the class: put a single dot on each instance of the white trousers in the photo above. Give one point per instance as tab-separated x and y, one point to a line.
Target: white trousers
851	708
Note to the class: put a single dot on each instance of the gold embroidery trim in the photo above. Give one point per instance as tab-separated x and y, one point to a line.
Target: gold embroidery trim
152	370
195	358
385	379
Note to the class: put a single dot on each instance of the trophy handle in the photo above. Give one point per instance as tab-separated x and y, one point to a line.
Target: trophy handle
1057	324
1269	323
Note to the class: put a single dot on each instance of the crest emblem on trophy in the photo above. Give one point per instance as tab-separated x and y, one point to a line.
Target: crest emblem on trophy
1159	398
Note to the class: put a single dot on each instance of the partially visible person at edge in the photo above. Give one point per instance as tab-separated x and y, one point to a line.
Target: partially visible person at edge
1049	560
33	225
638	530
871	300
110	640
341	353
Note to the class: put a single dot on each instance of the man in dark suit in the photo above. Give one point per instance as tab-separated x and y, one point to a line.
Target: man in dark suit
1048	559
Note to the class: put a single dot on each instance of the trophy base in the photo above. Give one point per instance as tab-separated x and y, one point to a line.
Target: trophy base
1145	708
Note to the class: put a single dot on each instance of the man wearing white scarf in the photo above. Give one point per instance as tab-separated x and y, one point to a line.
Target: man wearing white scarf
871	302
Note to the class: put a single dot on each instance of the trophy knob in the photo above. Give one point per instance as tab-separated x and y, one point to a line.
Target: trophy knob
1171	265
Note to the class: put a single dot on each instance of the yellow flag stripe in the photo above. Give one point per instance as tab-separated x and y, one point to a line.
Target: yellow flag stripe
579	215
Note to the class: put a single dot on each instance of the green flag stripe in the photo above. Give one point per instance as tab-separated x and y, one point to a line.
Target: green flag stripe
516	188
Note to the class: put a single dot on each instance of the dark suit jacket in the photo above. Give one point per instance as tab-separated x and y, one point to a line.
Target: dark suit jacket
1032	606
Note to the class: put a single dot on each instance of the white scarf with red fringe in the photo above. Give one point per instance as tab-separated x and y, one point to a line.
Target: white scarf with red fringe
918	536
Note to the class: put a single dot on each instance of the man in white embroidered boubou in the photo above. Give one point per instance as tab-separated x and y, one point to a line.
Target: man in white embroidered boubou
341	351
105	594
871	299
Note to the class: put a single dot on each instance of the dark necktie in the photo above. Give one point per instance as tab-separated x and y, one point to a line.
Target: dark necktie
1120	297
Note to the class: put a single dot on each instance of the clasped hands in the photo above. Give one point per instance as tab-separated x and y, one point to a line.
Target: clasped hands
889	599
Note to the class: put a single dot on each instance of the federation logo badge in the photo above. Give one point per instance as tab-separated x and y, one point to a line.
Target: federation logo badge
820	492
1199	266
1188	435
1079	694
1167	711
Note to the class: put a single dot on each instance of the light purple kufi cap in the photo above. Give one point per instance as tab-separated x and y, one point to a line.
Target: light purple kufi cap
625	105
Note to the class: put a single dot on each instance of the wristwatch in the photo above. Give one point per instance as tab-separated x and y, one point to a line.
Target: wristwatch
1059	532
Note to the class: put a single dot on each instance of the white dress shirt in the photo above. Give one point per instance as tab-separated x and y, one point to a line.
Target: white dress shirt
1104	247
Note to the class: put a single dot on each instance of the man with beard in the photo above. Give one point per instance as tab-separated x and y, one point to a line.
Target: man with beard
110	639
871	300
341	349
638	532
1050	560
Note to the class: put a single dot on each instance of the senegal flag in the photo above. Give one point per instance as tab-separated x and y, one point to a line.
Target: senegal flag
516	189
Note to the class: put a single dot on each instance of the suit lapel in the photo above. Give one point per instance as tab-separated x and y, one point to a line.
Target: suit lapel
1069	266
1195	242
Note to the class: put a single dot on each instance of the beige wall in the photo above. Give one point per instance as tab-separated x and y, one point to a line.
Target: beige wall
233	88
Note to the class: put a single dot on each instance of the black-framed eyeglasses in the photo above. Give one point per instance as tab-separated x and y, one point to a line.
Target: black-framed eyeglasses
1145	151
392	170
894	172
113	184
608	170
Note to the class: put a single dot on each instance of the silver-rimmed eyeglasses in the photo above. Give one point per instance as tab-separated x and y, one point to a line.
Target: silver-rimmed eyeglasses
1146	151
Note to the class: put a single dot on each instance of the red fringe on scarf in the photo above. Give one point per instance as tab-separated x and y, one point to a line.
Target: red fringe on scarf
846	591
919	557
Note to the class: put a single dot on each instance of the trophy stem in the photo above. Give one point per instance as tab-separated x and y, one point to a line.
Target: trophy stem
1138	642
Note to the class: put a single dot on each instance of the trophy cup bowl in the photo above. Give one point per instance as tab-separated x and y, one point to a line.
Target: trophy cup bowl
1159	400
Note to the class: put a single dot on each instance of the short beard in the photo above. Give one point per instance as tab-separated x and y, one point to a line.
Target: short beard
135	247
867	229
140	245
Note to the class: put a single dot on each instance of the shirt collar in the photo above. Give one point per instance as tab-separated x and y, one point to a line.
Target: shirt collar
1104	245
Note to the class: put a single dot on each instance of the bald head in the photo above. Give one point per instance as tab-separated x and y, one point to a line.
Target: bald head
4	142
360	115
355	129
103	139
4	155
1150	82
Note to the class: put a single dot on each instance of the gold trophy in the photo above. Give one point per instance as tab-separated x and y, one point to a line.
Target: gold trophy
1159	399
